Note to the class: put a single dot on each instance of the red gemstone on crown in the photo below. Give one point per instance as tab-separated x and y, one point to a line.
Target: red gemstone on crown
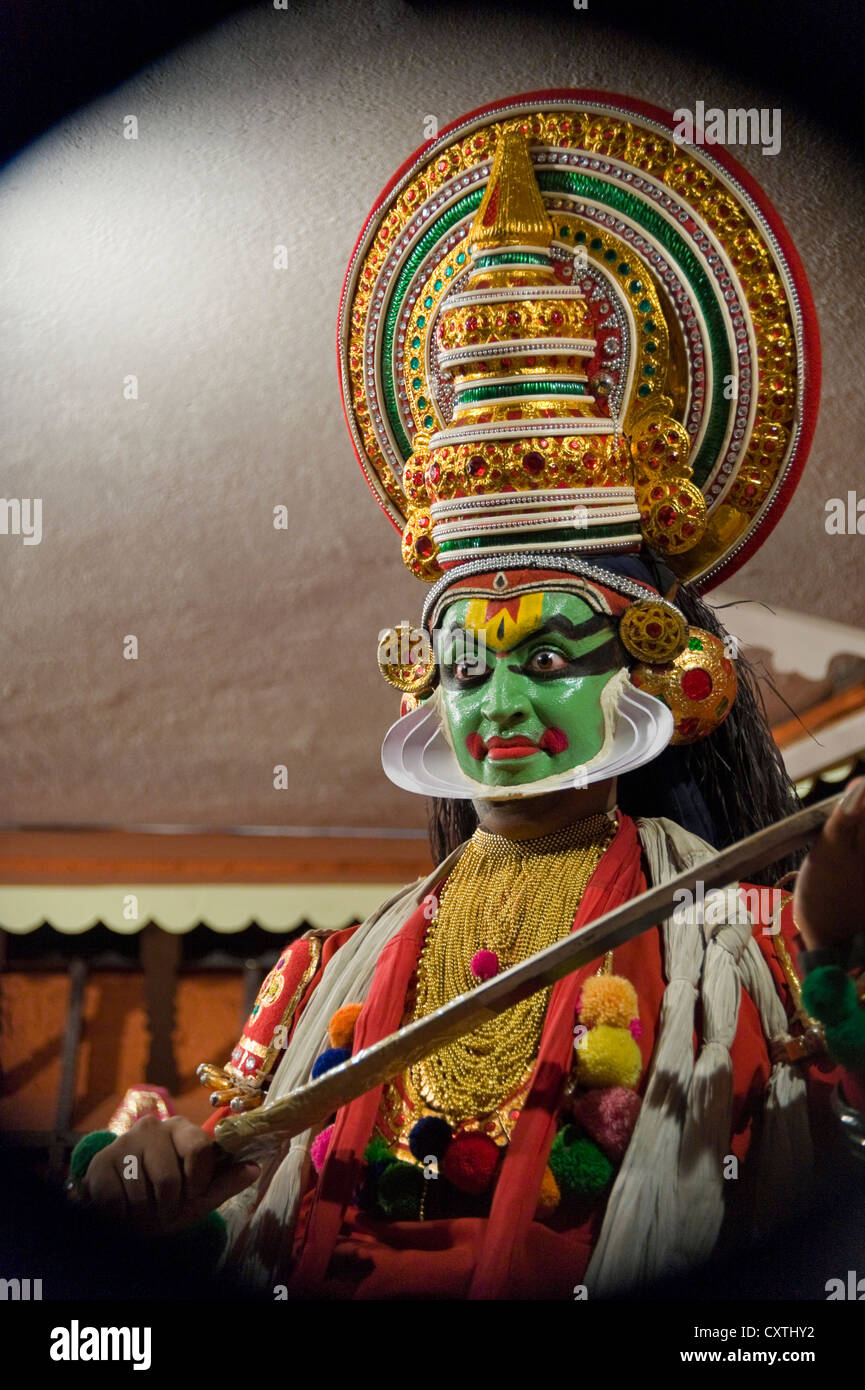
697	684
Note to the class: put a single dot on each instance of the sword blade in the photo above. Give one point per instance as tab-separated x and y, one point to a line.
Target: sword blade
315	1102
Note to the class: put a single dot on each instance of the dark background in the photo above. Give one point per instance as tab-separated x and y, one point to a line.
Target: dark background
56	57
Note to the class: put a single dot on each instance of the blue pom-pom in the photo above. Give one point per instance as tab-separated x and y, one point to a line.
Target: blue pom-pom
431	1135
329	1059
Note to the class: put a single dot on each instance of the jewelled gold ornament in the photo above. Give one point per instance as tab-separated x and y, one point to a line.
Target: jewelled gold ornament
673	515
410	702
699	686
653	630
543	317
419	550
513	898
561	278
406	659
533	463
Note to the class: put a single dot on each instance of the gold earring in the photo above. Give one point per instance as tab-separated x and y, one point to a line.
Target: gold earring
699	686
406	659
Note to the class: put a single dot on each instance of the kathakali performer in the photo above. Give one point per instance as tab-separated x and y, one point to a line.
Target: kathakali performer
580	370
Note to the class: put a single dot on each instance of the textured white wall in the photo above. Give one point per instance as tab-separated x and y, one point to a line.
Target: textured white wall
154	257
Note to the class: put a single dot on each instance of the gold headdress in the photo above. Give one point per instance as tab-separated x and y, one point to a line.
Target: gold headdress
564	332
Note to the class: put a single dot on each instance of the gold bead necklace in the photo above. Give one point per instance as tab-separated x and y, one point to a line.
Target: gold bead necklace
514	897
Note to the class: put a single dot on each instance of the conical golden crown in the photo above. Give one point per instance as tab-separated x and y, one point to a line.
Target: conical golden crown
512	210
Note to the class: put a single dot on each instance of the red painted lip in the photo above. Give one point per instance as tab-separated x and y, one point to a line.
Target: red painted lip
500	748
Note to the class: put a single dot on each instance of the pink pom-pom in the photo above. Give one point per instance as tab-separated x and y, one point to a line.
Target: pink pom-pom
636	1028
485	964
318	1148
608	1116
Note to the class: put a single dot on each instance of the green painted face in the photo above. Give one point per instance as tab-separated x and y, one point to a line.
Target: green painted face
530	706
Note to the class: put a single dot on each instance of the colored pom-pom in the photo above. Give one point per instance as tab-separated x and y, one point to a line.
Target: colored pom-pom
830	996
608	1057
377	1151
484	965
470	1162
399	1191
578	1166
86	1149
205	1241
635	1028
608	1117
366	1193
548	1197
318	1148
377	1157
609	999
431	1135
340	1030
326	1061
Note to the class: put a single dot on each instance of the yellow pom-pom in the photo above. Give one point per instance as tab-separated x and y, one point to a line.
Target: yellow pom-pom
548	1197
608	999
340	1030
608	1057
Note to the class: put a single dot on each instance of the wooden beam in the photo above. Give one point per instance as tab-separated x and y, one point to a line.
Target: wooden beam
69	1068
137	857
3	952
819	716
160	961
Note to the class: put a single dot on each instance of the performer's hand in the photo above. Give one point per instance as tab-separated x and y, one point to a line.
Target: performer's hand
173	1181
829	901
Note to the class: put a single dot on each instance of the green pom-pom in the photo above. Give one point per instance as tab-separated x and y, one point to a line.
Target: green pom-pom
377	1151
87	1149
399	1191
578	1166
846	1042
206	1239
829	995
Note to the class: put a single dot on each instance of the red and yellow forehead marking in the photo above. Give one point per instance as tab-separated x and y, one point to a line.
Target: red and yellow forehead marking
504	622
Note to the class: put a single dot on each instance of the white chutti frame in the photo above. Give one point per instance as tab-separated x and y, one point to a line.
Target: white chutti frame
417	756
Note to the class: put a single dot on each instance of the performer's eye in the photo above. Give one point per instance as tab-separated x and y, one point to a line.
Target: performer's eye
547	659
466	670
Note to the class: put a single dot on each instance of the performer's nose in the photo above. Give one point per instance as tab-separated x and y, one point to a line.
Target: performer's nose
504	700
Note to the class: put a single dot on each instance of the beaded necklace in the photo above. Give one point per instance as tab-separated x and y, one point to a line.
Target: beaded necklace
505	900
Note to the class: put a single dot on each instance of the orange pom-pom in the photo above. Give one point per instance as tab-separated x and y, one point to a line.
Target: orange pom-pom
608	999
548	1197
340	1030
